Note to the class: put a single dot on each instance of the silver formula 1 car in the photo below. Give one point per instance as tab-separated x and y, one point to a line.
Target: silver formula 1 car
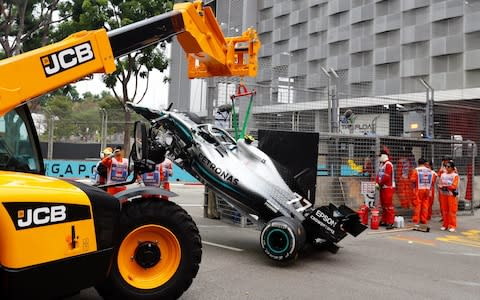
248	179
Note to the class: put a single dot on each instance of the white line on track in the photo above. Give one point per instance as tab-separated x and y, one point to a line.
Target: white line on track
460	253
190	205
222	246
467	283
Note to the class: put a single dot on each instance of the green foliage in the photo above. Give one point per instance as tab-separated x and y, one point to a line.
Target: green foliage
82	119
59	108
25	25
93	14
28	24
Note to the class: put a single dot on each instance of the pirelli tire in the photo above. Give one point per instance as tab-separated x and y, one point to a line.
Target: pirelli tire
158	255
283	238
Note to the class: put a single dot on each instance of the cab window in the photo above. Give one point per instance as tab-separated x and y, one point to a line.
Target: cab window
17	147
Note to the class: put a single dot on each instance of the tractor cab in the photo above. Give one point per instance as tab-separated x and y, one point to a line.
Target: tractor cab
19	146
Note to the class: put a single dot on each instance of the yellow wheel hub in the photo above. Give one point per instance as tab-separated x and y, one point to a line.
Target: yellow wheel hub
149	256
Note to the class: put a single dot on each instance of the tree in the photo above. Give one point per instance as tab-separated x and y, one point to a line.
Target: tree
80	120
25	24
93	14
59	110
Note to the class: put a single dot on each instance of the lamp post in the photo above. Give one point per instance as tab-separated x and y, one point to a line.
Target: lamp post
429	121
51	129
104	130
333	106
329	104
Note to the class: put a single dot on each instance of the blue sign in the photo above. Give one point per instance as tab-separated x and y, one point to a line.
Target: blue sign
81	169
69	168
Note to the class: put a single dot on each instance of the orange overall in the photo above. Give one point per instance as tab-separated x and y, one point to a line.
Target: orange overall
422	177
159	177
386	181
404	185
117	173
447	184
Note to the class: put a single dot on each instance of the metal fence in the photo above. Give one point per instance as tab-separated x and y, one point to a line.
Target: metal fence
101	126
354	119
347	165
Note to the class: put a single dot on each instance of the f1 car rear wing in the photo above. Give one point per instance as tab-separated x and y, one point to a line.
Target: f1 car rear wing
209	53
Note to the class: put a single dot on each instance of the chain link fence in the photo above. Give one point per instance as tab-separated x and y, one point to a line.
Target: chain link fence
355	119
100	127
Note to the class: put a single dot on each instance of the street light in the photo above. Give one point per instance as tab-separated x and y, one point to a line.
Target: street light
104	130
429	109
333	107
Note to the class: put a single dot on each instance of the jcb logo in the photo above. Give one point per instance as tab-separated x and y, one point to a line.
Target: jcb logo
67	58
26	215
41	216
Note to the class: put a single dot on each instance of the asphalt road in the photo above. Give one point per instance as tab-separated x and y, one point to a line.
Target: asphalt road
402	265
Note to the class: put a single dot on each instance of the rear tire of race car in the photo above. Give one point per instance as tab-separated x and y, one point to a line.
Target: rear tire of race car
158	255
282	238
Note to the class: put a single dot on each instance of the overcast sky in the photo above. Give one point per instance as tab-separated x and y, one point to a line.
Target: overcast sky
156	96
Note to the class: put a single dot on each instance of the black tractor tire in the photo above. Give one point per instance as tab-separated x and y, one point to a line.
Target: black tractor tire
158	255
283	238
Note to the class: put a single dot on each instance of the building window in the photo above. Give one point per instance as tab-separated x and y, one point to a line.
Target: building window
285	89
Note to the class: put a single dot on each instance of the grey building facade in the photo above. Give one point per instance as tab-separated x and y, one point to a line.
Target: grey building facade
383	45
378	47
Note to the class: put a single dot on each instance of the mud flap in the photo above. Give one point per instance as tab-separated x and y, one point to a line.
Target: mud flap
332	223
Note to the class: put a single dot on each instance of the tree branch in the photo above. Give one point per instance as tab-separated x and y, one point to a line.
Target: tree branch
6	28
45	23
21	28
136	85
116	95
146	88
130	61
121	74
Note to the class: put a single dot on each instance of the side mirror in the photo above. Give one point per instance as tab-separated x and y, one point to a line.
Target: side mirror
140	144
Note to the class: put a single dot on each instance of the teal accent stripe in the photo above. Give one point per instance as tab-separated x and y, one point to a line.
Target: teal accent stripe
187	132
205	171
287	244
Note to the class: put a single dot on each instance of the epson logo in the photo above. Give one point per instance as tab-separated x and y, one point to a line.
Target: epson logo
41	216
67	58
325	218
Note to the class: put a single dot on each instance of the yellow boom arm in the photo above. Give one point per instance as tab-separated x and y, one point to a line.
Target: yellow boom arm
209	53
34	73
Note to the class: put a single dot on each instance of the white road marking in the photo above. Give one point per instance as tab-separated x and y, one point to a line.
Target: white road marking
459	253
190	205
467	283
222	246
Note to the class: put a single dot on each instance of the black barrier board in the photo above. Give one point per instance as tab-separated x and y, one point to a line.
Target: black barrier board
295	155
